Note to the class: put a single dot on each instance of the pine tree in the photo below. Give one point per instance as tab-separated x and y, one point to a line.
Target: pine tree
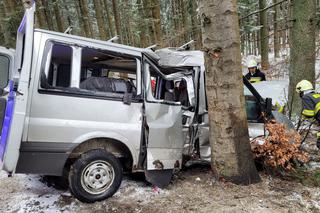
229	139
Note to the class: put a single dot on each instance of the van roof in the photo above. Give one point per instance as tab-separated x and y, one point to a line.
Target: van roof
165	58
95	41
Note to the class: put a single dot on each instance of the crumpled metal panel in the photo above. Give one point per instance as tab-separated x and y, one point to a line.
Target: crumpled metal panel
165	142
172	58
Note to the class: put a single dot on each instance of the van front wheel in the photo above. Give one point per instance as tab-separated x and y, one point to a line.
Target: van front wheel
95	176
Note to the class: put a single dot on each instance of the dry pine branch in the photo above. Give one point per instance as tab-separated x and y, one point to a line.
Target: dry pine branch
279	148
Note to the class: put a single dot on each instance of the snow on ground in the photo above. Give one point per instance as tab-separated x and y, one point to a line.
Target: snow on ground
26	194
193	190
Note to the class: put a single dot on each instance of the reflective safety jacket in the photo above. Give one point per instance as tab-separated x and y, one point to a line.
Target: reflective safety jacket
311	105
256	77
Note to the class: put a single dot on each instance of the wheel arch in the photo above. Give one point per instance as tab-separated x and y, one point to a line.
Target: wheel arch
118	148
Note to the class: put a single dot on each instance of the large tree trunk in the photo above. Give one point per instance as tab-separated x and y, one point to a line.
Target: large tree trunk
116	18
276	44
229	138
264	35
85	15
102	29
302	48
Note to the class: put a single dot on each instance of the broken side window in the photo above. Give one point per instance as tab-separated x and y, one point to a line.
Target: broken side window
56	67
162	88
106	72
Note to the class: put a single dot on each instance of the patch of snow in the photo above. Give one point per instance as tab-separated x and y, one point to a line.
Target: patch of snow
255	129
27	194
138	191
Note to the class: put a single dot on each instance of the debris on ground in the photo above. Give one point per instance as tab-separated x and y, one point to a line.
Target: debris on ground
23	193
280	149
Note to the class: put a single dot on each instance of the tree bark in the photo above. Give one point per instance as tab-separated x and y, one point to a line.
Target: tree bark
116	18
264	36
302	48
142	25
102	29
194	24
41	15
48	14
156	19
229	138
85	16
275	30
4	23
57	14
148	16
79	17
109	19
184	21
10	5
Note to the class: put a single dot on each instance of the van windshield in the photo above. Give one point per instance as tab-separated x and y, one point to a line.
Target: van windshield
4	70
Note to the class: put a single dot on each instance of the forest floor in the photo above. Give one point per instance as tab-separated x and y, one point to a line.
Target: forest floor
192	190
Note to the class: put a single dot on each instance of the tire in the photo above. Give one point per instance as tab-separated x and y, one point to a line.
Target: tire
95	176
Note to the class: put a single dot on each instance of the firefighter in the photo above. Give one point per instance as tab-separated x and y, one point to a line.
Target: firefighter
310	102
254	75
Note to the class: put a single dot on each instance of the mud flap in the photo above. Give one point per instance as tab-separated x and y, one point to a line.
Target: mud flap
160	178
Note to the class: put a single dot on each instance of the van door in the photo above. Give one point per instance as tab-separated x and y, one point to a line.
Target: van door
16	106
163	117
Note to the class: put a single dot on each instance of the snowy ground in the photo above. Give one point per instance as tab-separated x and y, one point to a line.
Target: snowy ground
193	190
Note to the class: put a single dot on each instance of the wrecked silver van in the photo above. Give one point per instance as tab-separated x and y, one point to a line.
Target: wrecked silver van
91	110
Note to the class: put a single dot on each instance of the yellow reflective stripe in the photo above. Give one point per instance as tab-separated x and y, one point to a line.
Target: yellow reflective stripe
317	108
316	95
318	134
255	79
307	112
279	107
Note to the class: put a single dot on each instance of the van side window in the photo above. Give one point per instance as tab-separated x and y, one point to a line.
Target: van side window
4	71
107	73
162	89
59	74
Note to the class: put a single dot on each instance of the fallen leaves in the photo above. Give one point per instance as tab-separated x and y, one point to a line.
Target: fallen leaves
280	148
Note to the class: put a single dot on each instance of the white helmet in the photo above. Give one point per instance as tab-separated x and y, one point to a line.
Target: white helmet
252	63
